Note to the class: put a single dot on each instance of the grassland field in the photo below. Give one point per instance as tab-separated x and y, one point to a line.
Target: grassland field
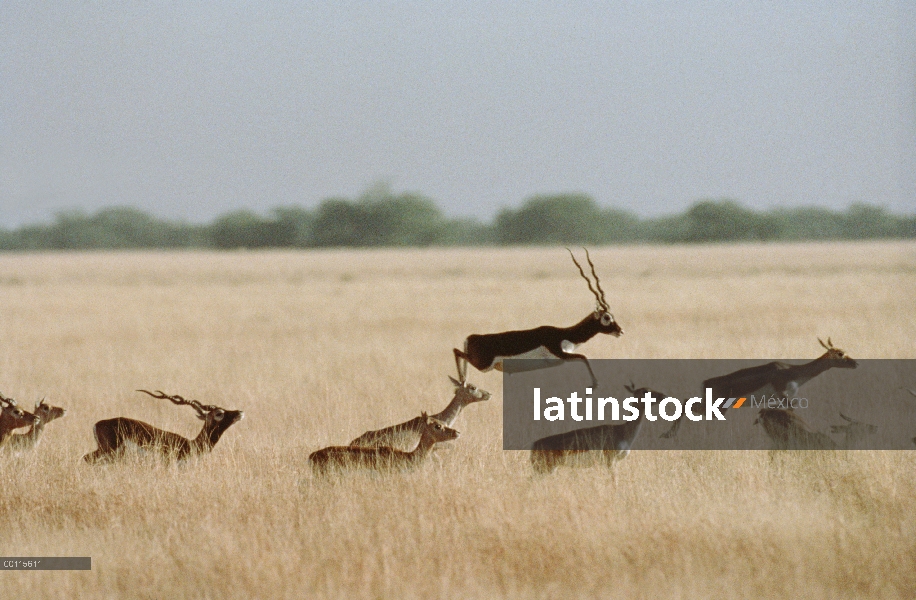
319	346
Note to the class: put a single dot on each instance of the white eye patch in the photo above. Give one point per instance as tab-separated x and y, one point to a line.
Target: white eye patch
607	319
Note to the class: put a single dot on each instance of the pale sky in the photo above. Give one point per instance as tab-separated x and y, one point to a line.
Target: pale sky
188	110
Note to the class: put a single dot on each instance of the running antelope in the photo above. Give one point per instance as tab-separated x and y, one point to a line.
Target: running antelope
406	435
854	431
114	436
788	431
779	378
382	459
12	417
602	444
29	440
547	343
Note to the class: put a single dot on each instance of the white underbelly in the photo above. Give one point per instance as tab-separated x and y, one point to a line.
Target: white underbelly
539	353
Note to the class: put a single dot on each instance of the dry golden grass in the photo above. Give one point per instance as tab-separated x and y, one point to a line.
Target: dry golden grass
318	347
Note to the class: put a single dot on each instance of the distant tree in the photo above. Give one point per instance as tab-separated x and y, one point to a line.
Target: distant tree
864	221
564	219
618	226
465	232
377	218
405	220
665	230
124	227
243	229
110	228
809	223
294	226
728	221
906	227
339	222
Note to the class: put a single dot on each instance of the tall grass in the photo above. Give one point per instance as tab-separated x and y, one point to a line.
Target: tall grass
318	347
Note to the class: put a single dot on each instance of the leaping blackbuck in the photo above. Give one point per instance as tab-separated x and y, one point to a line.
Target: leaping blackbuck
114	436
342	458
406	435
12	417
788	431
779	378
29	440
604	444
487	351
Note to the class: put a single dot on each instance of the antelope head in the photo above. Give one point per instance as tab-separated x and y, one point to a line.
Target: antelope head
837	356
468	391
47	412
11	412
602	309
438	430
216	419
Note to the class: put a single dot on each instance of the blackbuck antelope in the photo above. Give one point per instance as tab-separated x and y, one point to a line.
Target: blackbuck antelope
788	431
853	431
779	378
547	343
29	440
115	436
604	444
406	435
12	417
382	459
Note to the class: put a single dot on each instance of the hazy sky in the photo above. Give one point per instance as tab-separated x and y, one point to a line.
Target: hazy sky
191	110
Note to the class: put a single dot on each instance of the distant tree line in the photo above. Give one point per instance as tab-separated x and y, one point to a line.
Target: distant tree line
381	218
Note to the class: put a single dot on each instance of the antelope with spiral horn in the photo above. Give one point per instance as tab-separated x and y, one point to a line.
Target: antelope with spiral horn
114	436
548	343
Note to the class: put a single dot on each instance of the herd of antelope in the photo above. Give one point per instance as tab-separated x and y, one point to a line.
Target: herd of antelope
406	445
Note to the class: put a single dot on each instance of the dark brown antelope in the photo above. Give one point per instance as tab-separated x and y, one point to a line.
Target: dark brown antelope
788	431
341	458
12	417
773	378
406	435
114	436
546	343
854	431
604	444
29	440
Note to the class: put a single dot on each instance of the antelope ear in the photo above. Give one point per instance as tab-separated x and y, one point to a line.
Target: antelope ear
202	417
455	381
